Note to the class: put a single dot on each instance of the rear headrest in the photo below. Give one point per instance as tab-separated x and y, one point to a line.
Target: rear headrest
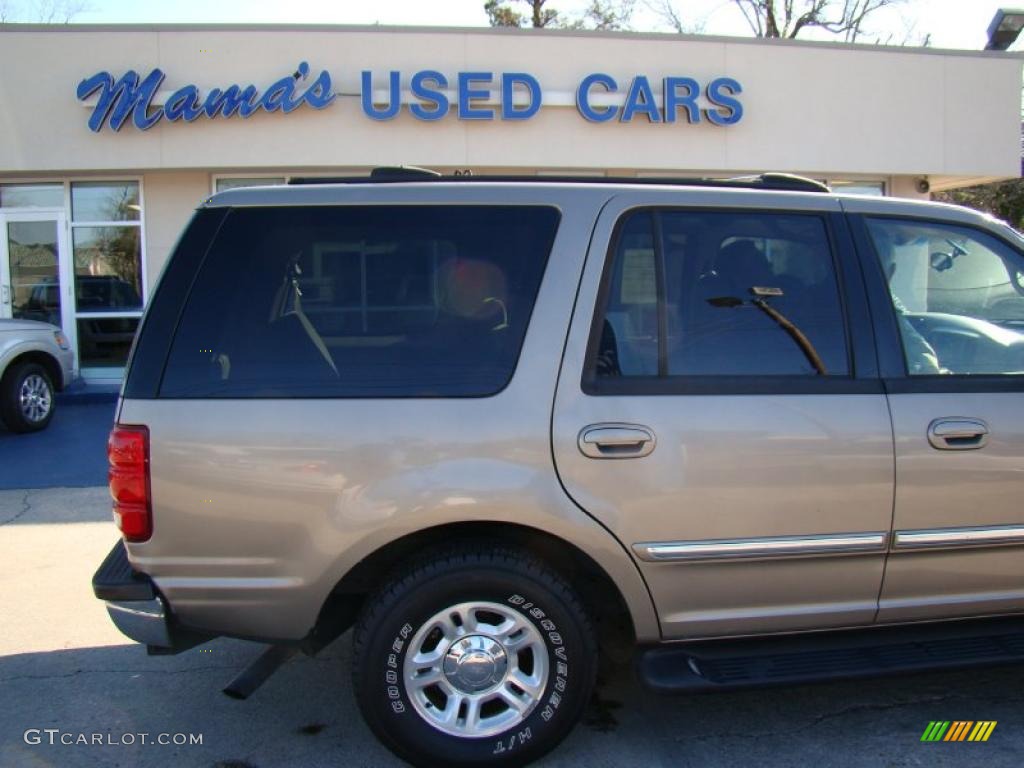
471	287
741	260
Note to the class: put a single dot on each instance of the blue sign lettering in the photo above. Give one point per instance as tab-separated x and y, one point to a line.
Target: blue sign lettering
640	99
673	99
720	93
423	91
595	115
508	83
431	96
394	97
467	93
130	97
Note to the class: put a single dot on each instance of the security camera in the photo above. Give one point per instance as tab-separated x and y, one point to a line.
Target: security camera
923	186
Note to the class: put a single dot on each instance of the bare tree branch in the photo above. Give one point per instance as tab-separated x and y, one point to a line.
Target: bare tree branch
599	14
788	18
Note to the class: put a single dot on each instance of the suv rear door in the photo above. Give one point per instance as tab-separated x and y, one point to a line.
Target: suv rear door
719	410
948	297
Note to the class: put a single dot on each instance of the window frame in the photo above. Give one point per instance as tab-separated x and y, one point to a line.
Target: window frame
891	356
862	377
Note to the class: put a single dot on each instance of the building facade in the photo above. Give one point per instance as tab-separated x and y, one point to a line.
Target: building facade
110	136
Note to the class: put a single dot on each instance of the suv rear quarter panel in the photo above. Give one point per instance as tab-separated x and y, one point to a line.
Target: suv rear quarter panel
261	506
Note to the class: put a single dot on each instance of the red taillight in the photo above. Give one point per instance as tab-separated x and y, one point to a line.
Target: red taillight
128	454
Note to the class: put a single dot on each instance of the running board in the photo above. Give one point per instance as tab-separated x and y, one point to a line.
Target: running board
821	656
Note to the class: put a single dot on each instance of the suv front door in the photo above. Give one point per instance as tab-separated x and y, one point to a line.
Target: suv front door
715	413
949	306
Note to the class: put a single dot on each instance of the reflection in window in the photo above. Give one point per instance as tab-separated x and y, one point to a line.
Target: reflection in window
35	286
105	201
31	195
108	268
105	341
958	294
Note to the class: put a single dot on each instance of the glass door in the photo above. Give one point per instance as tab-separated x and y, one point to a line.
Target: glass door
34	270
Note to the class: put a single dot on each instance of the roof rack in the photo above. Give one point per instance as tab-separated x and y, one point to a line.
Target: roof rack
399	174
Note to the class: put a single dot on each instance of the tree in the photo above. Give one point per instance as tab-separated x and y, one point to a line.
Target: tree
606	14
502	14
600	14
42	11
668	13
787	18
1002	199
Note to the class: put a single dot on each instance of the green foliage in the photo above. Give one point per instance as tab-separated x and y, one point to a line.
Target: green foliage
1002	199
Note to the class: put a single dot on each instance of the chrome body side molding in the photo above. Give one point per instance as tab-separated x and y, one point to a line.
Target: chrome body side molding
762	547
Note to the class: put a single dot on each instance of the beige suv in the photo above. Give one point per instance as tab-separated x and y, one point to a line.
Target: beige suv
503	426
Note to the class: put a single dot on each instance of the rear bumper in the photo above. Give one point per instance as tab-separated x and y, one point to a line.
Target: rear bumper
137	608
144	621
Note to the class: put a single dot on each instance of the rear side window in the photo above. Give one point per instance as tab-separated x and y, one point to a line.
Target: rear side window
361	301
721	293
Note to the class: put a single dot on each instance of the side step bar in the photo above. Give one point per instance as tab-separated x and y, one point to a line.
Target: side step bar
821	656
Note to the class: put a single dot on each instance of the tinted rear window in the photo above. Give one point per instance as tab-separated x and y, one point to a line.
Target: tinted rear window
361	301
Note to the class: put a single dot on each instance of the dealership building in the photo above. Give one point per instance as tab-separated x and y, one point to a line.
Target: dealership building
110	136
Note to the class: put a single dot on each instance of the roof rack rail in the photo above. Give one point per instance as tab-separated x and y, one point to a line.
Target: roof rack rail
389	175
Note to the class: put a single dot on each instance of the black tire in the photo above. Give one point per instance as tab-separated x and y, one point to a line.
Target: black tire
525	589
14	416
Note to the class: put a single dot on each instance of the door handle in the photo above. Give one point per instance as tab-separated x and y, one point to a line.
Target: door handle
957	434
616	441
5	294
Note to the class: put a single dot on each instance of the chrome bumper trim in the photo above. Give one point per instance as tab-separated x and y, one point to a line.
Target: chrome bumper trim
144	621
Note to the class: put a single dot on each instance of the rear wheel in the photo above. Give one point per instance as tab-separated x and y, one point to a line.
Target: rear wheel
26	397
476	657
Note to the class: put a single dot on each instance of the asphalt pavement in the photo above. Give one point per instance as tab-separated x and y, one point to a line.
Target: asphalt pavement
67	675
70	453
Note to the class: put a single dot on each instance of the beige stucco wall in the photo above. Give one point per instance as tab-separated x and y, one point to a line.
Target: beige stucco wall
818	109
170	199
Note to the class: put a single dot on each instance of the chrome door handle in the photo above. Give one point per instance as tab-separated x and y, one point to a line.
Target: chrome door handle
957	434
616	441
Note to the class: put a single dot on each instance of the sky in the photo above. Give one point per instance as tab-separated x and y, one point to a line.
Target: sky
951	23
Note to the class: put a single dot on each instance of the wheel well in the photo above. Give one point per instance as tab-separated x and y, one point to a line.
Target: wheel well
602	599
47	361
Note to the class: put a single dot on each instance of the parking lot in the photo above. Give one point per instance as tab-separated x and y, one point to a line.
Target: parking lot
63	666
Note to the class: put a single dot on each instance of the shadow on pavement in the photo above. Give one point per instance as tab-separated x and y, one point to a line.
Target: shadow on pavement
305	715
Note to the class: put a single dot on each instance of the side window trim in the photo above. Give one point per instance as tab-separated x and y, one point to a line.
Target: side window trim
895	377
660	289
860	347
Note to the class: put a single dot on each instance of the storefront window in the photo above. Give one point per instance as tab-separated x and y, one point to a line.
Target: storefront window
105	341
222	185
31	195
108	275
869	188
106	241
105	201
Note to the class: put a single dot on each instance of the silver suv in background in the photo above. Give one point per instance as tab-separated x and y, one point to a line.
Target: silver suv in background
36	361
745	432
